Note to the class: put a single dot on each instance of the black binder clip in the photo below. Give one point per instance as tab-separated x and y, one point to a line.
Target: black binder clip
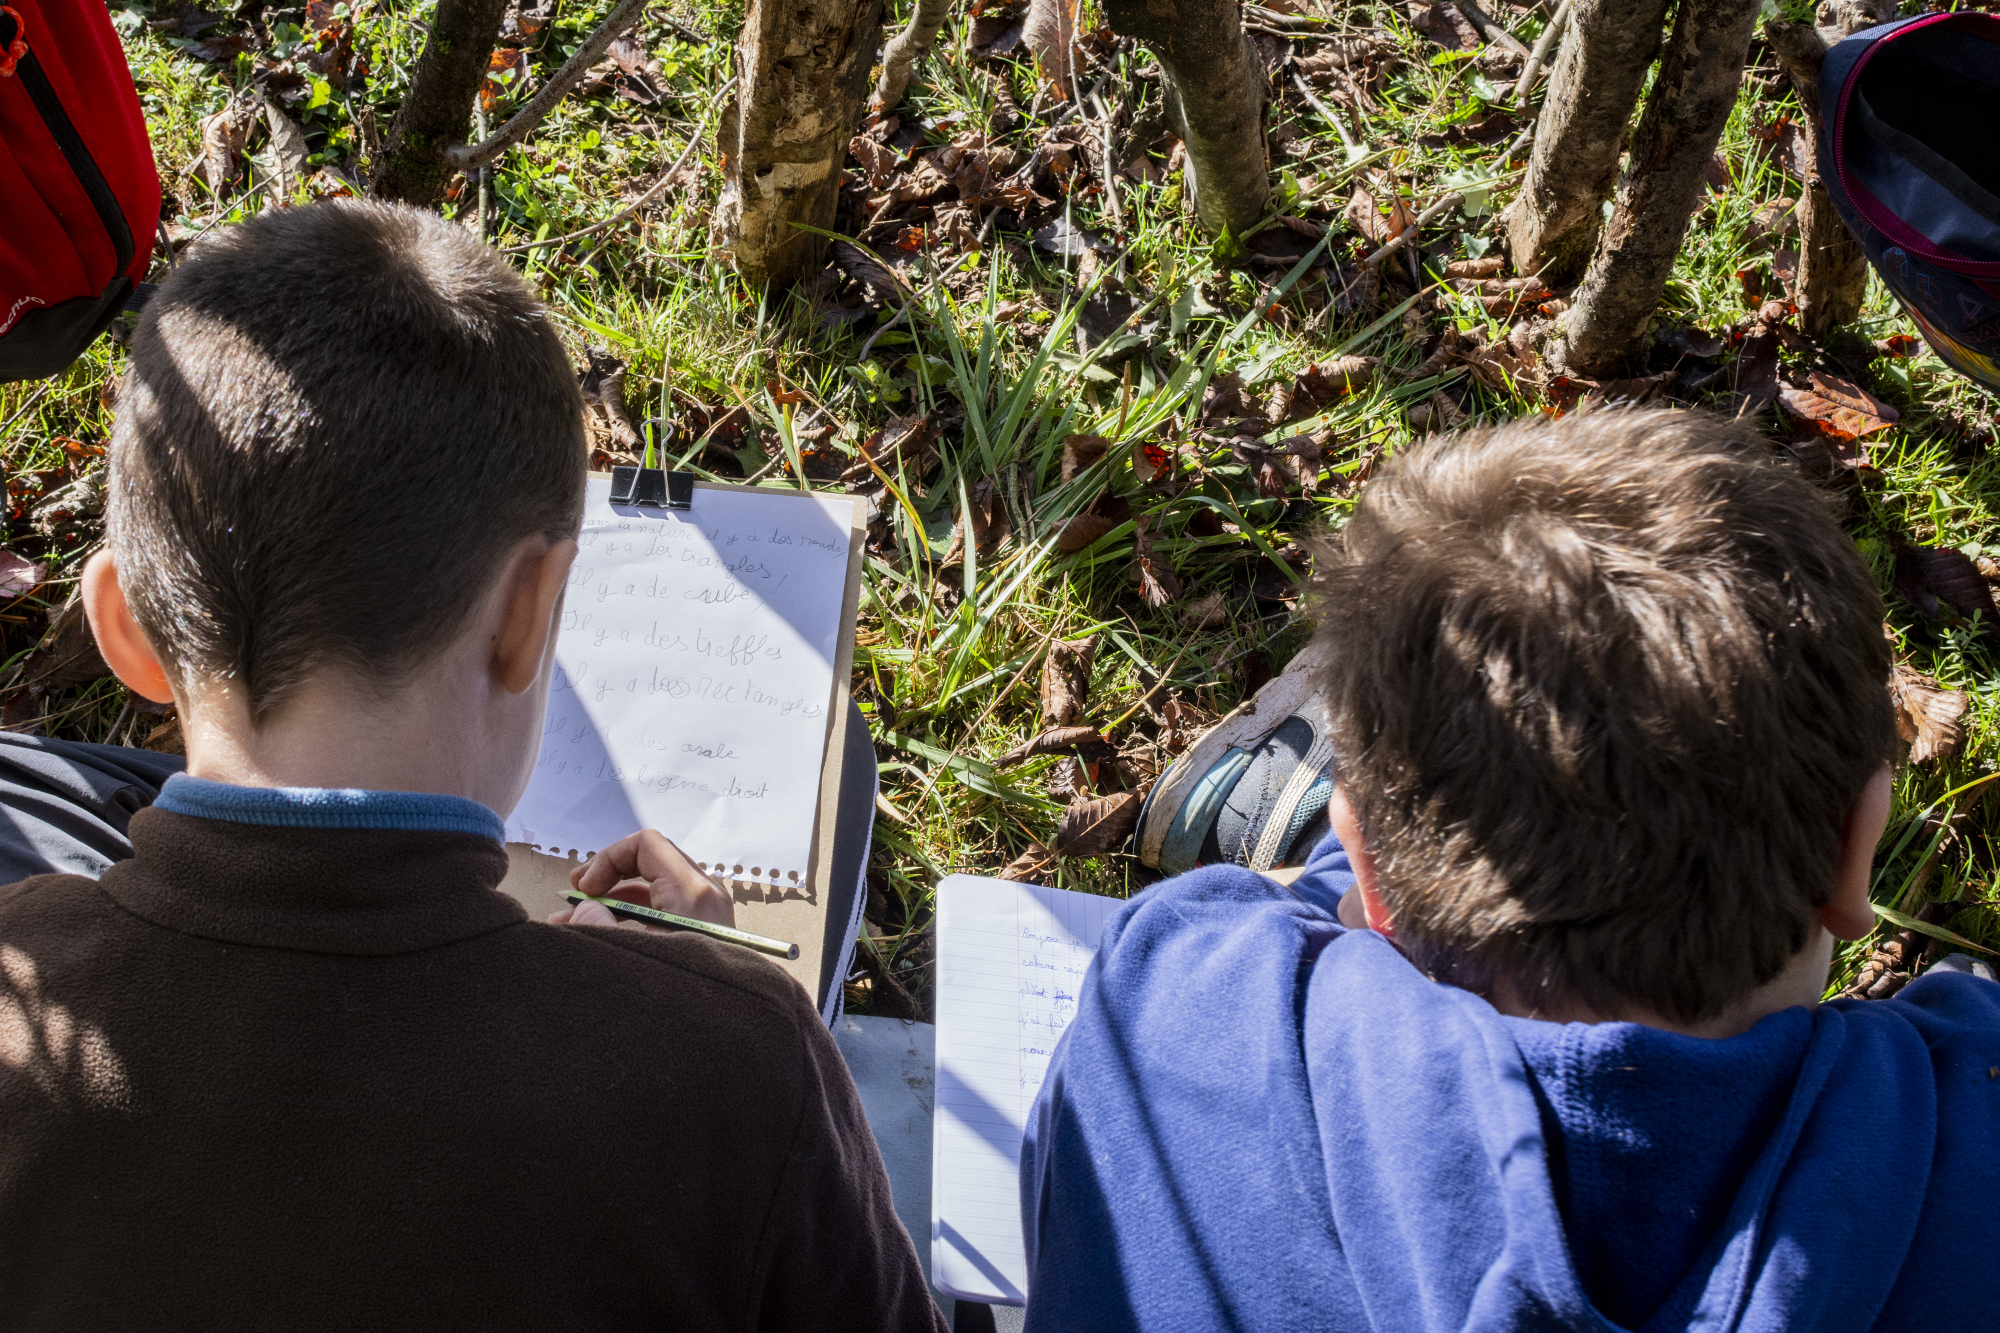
652	487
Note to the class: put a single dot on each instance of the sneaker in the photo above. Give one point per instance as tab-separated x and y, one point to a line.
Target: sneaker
1253	789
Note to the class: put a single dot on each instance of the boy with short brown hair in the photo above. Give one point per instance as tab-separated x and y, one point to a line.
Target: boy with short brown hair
297	1063
1535	1040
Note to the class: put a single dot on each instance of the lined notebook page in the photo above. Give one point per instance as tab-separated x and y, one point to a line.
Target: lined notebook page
1011	959
694	671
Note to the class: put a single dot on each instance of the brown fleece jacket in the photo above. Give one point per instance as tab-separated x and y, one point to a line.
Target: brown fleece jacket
287	1079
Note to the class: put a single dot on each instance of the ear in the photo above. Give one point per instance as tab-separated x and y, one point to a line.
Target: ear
535	582
1374	913
124	645
1847	914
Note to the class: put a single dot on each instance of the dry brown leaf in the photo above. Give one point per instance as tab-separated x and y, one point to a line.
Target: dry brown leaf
1208	613
19	576
1839	407
1023	868
288	143
1050	33
1158	584
1941	579
507	75
1774	219
1079	452
1373	220
878	159
1086	742
1079	532
1066	680
223	137
1443	24
1307	449
1488	267
1095	827
1342	375
641	77
68	654
903	443
1225	398
1267	469
1927	714
166	738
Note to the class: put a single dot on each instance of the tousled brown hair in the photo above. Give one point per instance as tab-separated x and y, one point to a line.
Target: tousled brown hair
336	422
1604	690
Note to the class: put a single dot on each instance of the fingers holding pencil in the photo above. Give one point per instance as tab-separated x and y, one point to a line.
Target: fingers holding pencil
671	883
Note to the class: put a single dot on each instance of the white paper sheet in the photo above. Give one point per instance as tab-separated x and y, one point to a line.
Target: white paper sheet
1011	959
694	670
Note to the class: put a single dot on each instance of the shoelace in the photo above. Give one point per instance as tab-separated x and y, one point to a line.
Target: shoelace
17	47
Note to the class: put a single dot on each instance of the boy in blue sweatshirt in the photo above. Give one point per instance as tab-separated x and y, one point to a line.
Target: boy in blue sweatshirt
1535	1041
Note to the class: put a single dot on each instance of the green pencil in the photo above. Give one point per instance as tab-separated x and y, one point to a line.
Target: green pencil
619	907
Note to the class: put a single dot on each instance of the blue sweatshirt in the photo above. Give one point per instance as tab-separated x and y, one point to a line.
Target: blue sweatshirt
1259	1120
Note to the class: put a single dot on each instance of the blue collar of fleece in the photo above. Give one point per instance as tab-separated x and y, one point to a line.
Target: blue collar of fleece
327	807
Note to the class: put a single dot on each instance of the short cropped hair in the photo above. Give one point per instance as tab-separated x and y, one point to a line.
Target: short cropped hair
337	421
1603	691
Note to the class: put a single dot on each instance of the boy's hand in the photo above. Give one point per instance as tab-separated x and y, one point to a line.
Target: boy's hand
671	883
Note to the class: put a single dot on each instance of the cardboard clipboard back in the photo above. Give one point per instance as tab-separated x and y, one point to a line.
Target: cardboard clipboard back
538	881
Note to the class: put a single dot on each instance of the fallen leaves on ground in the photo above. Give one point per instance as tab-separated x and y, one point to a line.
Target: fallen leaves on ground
1158	584
19	576
1927	714
507	75
224	135
640	76
1376	221
67	655
1050	33
1085	742
1944	584
1029	864
1066	680
1838	408
1095	826
1079	452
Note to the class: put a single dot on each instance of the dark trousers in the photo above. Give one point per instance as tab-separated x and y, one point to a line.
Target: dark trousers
65	807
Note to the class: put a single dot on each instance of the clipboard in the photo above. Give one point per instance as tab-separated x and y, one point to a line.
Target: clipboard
537	880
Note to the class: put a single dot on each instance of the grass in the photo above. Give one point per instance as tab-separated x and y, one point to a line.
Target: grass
948	661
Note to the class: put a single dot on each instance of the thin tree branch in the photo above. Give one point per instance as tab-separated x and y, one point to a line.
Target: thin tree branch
1539	56
906	48
694	142
471	157
1490	28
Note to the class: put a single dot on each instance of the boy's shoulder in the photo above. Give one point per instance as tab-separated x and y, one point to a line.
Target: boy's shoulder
70	926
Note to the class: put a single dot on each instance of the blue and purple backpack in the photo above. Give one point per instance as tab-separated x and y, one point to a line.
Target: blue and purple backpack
1912	160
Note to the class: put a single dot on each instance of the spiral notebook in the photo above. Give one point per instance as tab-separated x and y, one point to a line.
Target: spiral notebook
1011	962
700	686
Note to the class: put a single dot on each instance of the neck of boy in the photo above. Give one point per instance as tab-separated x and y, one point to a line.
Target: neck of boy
446	729
1801	983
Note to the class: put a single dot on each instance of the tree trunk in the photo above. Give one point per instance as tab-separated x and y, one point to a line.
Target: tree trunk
1554	221
1215	91
1690	102
802	67
1833	268
437	111
906	48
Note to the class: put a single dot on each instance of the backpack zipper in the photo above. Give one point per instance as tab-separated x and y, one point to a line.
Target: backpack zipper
36	83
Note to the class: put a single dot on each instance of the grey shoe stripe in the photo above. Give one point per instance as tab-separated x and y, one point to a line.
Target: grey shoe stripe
1271	844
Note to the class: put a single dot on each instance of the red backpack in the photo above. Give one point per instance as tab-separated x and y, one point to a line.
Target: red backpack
79	198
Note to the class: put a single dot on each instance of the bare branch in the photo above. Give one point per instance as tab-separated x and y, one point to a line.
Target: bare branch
1539	56
906	48
471	157
1490	28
